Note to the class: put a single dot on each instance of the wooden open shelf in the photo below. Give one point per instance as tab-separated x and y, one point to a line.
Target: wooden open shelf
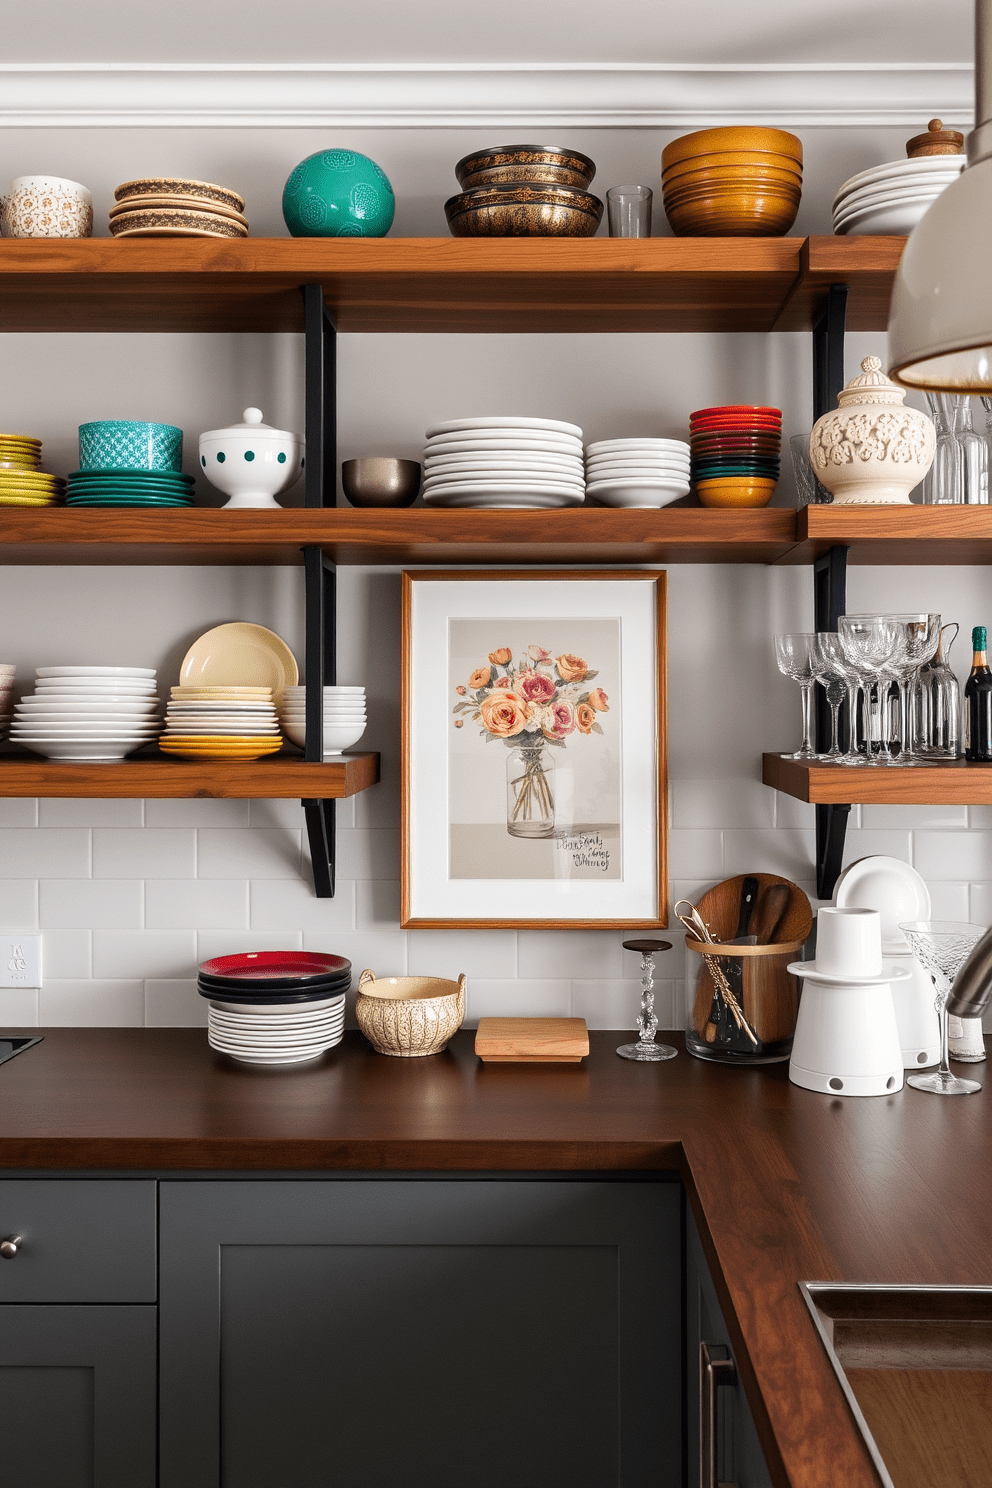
951	783
442	284
905	535
152	775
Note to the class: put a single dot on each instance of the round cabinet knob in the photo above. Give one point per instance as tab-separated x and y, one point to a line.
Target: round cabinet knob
9	1246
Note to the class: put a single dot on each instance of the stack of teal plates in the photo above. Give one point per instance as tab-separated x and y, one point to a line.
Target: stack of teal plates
130	488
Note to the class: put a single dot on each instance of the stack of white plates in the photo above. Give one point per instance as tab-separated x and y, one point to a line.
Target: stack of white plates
892	198
344	717
88	712
503	462
260	1033
221	723
637	472
7	670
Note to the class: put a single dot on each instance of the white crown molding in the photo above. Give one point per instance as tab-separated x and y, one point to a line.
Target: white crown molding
502	96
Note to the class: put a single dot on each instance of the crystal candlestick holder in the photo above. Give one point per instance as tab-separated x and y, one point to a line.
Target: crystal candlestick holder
646	1049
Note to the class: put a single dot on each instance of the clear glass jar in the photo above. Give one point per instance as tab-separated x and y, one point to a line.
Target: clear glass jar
530	791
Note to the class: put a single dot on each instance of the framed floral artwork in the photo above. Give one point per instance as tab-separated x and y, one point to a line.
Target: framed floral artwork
534	779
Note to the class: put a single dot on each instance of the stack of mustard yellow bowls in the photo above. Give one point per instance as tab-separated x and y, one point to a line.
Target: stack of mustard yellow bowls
732	182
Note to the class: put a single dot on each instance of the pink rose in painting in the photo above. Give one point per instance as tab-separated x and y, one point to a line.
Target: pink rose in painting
502	682
504	714
534	688
461	691
459	723
599	700
538	654
558	720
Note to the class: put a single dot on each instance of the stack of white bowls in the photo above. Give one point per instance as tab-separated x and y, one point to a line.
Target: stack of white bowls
344	717
892	198
637	472
496	462
7	670
221	723
88	712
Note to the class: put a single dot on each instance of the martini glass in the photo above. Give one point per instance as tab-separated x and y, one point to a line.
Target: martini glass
646	1050
942	947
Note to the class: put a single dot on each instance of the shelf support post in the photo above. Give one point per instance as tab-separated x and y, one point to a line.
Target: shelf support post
829	581
320	575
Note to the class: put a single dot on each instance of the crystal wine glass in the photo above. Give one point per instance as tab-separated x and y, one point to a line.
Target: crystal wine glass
942	947
646	1050
794	654
837	679
922	633
870	642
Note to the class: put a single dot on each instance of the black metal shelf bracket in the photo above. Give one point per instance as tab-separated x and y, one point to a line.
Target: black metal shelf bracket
829	581
320	574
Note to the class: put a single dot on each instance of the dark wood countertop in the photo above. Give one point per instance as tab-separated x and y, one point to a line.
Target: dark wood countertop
785	1185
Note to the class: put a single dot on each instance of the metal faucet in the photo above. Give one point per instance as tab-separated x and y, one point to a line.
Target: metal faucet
972	990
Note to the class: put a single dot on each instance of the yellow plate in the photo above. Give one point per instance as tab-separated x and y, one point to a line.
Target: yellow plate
33	477
14	499
239	655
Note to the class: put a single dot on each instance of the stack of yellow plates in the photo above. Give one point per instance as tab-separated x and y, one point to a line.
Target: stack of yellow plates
221	723
218	746
22	481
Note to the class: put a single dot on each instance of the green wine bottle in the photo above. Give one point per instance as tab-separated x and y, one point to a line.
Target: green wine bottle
978	702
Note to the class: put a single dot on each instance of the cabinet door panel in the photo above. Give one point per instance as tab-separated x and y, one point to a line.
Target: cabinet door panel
77	1396
447	1333
85	1240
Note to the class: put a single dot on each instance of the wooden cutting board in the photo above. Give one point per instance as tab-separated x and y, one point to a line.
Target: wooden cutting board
532	1040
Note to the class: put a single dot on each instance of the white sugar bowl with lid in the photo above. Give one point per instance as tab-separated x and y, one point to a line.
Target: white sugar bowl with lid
251	462
870	450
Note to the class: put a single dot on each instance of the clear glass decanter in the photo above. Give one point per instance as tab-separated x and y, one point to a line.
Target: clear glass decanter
944	483
936	703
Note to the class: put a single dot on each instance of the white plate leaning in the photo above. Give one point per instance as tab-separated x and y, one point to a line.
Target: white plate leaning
507	421
893	888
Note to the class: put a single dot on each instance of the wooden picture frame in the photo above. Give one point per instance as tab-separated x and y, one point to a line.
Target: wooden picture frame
563	824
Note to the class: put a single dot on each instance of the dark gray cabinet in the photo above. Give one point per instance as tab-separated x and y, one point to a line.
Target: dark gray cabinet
425	1332
715	1397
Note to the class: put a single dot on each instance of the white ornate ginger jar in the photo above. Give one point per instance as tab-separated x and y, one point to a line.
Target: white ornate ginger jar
870	450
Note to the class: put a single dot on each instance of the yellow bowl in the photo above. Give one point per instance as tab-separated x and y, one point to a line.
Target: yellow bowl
732	160
736	490
710	141
733	214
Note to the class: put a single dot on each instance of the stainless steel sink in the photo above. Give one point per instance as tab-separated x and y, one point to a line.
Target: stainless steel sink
15	1043
915	1363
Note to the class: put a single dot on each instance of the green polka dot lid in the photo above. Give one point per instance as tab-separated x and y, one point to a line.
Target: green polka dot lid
251	462
338	194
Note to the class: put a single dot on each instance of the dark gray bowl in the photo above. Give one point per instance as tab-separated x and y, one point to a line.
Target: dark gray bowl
381	480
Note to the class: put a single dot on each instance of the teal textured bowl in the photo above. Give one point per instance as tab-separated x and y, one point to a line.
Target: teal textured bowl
338	194
127	444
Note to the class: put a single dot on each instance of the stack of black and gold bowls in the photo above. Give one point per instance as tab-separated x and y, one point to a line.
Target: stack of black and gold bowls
524	191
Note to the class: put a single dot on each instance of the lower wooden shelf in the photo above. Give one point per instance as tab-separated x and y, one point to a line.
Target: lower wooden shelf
947	783
278	777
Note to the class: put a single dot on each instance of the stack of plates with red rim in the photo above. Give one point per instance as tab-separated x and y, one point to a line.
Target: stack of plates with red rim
88	712
497	462
275	1007
637	472
736	454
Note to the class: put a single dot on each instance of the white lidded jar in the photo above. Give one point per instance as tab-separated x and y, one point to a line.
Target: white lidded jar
251	462
870	450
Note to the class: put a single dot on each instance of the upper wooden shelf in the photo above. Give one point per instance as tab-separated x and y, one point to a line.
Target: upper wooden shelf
903	535
153	775
947	783
442	284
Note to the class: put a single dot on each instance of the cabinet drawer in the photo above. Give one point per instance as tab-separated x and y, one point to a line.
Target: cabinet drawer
85	1241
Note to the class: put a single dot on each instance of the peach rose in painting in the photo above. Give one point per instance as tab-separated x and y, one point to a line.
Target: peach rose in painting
571	668
599	700
504	714
479	678
585	717
534	688
558	720
500	657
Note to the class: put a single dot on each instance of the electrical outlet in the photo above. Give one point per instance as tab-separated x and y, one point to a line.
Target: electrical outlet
20	960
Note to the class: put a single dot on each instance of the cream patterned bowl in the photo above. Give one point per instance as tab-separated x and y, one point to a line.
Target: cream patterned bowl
409	1016
46	207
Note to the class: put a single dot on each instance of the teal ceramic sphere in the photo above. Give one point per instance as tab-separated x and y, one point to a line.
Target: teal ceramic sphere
338	194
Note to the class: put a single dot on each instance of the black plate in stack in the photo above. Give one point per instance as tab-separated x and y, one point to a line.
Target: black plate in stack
275	1007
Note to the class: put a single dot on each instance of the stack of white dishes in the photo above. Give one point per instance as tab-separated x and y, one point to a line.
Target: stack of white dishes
499	462
221	723
899	894
344	717
275	1007
88	712
7	670
637	472
892	198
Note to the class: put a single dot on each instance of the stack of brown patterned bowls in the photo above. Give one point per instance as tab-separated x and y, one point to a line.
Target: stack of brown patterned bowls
732	182
521	191
164	207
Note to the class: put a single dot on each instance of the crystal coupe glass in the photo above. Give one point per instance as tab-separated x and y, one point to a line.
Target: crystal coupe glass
942	948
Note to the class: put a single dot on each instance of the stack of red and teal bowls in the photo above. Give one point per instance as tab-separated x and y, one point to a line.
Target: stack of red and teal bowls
736	454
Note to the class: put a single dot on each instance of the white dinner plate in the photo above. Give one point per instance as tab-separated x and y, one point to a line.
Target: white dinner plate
508	421
879	222
277	1026
95	671
893	888
874	196
632	468
273	1059
234	705
239	655
566	465
506	488
808	971
500	478
320	1005
517	499
83	708
648	483
238	730
897	170
292	1042
89	687
282	1013
539	444
644	500
82	720
93	751
617	446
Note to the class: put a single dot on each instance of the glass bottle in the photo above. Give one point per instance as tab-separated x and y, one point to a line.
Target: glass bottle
978	703
944	483
530	791
936	702
974	457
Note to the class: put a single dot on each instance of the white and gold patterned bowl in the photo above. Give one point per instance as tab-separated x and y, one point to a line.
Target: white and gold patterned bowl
46	207
409	1016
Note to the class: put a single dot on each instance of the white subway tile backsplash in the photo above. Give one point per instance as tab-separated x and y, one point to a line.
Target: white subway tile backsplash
377	903
19	1007
792	813
367	852
569	953
211	943
914	818
95	1003
279	815
954	855
290	904
980	816
949	901
695	852
516	999
197	813
174	1004
979	904
151	853
144	953
789	852
37	854
18	811
83	811
617	1004
196	903
448	953
722	803
91	903
868	842
259	853
380	806
65	953
18	904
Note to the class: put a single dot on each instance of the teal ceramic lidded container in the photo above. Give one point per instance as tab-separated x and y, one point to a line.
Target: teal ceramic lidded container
129	444
338	194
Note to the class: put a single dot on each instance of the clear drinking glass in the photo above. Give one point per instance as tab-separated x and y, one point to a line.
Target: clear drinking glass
944	483
628	210
942	947
936	706
794	655
829	662
974	457
646	1050
809	492
870	642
